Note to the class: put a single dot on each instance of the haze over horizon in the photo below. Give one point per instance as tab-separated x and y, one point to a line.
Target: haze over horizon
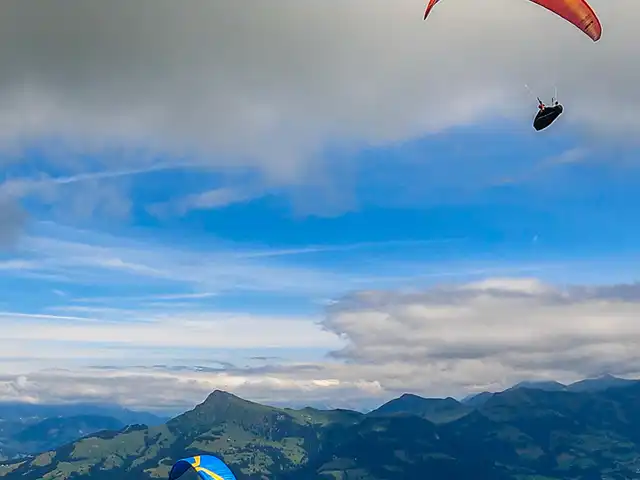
311	203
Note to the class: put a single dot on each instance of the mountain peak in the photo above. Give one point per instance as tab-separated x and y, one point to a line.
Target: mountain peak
223	399
436	410
547	385
219	407
411	396
221	395
603	382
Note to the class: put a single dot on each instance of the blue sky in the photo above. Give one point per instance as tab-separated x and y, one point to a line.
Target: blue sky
227	236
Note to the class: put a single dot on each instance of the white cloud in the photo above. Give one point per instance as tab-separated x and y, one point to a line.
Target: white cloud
209	200
172	391
221	268
268	83
544	167
493	332
155	329
79	257
270	86
447	340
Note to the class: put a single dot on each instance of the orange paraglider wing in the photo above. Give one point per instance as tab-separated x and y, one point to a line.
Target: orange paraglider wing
577	12
429	7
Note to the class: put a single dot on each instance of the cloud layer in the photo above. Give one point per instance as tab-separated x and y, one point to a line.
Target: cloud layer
448	340
271	86
491	333
272	89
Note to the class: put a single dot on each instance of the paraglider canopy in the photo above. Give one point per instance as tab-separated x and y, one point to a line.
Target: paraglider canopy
207	467
577	12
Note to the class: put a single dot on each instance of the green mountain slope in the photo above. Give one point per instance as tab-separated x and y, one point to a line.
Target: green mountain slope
258	440
522	433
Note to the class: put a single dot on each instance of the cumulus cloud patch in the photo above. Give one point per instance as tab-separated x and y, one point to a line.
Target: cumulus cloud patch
523	327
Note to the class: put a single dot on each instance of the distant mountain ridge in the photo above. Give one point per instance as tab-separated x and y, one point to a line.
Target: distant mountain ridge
31	428
586	431
436	410
17	410
596	384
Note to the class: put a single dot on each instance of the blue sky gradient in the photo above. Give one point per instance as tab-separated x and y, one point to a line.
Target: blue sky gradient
277	234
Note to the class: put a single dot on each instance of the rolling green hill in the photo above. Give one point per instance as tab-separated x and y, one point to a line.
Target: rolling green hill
522	433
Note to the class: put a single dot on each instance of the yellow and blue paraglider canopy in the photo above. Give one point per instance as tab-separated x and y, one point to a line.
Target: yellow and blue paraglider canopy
207	467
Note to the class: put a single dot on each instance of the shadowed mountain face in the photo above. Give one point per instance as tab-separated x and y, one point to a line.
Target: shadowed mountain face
602	383
12	411
522	433
57	431
436	410
28	428
598	384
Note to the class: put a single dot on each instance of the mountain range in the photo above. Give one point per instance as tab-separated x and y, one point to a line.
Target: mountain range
587	385
587	430
32	428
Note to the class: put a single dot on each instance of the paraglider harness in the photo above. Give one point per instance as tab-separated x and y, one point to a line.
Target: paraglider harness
547	114
542	106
